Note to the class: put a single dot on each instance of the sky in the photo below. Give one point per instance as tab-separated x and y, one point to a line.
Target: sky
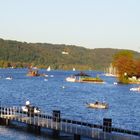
87	23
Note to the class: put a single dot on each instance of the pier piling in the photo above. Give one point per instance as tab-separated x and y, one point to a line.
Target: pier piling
56	120
107	125
4	121
77	137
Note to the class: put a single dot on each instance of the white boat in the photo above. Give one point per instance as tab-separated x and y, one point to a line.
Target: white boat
83	78
135	89
115	83
46	75
9	78
97	105
49	68
71	79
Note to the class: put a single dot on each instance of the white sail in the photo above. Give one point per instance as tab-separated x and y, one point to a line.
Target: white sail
111	71
73	69
49	68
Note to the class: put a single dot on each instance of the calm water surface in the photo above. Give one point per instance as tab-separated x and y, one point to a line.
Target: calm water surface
70	98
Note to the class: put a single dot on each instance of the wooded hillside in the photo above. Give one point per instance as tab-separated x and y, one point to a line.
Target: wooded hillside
58	56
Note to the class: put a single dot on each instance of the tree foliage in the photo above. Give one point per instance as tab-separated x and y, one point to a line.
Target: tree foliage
22	54
127	65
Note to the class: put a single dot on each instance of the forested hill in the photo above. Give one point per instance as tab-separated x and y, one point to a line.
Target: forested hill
58	56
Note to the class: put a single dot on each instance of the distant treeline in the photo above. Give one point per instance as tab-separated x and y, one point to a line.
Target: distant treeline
58	56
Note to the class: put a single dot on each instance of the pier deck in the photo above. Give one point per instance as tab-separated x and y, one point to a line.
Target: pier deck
54	122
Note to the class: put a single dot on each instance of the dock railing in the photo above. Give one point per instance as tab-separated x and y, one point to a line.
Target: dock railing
59	124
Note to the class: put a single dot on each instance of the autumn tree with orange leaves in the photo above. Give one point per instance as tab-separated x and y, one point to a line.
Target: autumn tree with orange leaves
126	65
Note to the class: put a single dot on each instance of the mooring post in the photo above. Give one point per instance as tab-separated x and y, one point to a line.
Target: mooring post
56	119
4	121
107	125
0	108
77	137
34	128
37	129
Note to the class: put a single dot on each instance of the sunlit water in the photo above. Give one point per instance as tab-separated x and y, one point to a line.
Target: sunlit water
70	98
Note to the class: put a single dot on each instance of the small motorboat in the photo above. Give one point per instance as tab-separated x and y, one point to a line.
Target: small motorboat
115	83
98	105
71	79
46	75
34	73
135	89
9	78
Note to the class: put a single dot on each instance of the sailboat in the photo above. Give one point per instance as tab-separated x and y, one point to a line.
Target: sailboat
73	69
49	68
111	71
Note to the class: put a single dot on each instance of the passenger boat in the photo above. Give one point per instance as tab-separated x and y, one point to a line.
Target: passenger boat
84	78
92	80
97	105
34	72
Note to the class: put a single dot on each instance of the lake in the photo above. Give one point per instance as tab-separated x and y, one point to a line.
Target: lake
70	98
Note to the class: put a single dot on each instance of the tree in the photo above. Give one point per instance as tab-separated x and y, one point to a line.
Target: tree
137	70
125	64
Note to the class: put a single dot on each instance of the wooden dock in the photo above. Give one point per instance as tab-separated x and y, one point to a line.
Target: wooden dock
58	124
